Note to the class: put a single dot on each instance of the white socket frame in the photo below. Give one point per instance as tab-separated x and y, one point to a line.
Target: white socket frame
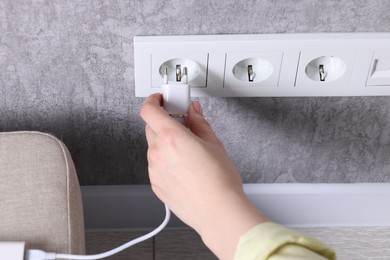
201	58
274	58
216	55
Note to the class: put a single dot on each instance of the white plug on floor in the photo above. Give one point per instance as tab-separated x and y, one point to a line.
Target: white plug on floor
12	250
36	254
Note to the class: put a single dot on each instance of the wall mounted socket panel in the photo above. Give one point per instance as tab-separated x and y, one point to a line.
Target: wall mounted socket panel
271	65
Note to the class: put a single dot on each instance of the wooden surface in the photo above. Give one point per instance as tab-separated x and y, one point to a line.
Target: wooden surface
353	243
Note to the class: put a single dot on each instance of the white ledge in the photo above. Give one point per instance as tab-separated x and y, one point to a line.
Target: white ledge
127	207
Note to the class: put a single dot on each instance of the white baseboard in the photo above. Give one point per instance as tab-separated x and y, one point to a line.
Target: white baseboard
296	205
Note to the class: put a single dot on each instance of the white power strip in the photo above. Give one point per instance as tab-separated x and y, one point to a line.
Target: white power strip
268	65
12	250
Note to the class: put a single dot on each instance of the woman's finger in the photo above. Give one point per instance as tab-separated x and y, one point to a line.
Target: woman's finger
156	117
150	134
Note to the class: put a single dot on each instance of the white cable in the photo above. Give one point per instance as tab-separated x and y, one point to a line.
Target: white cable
34	254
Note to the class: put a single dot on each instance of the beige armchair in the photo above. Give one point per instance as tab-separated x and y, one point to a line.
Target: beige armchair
40	200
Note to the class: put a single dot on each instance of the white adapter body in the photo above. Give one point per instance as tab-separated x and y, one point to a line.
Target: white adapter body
176	98
12	250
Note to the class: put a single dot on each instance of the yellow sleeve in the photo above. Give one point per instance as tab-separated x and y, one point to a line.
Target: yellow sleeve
275	242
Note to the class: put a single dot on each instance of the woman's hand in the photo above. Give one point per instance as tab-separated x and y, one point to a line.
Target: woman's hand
190	171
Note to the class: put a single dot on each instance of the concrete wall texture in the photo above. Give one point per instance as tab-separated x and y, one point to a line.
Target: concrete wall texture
66	67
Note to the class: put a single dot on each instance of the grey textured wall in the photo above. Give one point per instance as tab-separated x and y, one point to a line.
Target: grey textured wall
66	67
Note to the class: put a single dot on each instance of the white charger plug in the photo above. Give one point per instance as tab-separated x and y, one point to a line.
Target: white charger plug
12	250
176	95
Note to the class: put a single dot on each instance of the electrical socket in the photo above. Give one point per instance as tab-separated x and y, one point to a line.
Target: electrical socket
196	64
319	68
325	69
252	69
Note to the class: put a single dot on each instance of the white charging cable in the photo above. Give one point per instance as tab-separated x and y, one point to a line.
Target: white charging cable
176	100
36	254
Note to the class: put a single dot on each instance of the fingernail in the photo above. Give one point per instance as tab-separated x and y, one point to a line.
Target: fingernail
197	107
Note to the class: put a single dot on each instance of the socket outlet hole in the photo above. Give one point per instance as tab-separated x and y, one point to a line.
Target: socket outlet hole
253	70
192	67
325	68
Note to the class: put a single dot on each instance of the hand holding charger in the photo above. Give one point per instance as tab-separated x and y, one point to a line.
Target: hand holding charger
176	100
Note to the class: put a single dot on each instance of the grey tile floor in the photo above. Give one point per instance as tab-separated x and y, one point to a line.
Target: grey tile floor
355	243
171	244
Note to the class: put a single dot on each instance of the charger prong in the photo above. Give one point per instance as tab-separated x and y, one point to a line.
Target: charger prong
165	74
178	73
184	78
